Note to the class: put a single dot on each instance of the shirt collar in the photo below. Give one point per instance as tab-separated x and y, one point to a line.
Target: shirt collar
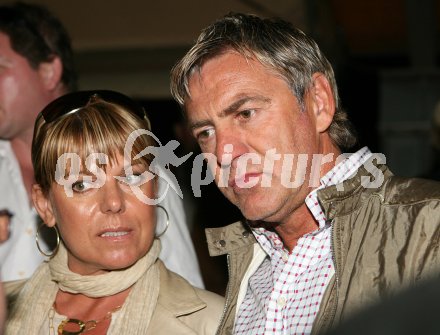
340	172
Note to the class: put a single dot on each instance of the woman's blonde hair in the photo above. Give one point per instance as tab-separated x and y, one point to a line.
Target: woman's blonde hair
84	123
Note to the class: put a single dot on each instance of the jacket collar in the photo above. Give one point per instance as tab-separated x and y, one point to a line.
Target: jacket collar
345	197
339	199
176	295
228	239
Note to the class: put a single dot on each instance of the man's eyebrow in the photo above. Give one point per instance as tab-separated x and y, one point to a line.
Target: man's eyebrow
240	102
199	124
230	109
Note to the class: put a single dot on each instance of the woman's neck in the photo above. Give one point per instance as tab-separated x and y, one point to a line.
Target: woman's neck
83	308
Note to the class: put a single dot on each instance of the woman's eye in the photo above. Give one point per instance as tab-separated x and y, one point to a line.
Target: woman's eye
134	179
81	186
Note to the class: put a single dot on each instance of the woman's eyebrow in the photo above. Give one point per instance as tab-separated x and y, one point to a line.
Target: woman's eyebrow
132	167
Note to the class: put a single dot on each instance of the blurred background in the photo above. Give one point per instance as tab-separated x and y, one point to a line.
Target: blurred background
385	54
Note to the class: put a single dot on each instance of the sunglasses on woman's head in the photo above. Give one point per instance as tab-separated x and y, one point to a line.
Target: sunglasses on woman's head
72	102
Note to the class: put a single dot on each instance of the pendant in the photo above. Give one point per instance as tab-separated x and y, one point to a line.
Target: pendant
81	325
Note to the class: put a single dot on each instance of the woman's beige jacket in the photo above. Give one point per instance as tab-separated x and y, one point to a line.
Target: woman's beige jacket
181	308
184	310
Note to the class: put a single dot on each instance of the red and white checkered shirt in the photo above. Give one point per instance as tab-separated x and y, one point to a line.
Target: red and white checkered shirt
284	293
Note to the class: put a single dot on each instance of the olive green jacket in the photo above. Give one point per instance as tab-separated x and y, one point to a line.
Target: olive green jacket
383	239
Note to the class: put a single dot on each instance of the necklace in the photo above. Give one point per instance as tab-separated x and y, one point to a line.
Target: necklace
82	326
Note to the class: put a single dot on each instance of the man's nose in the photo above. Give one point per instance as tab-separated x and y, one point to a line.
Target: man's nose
230	145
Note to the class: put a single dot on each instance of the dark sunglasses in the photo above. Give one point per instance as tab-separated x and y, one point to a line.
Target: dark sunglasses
72	102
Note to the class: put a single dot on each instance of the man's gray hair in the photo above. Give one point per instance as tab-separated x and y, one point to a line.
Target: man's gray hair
278	46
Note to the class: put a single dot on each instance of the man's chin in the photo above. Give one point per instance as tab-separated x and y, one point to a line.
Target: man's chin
268	213
249	205
254	214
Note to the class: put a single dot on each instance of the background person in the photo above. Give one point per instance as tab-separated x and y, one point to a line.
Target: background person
105	276
36	66
323	237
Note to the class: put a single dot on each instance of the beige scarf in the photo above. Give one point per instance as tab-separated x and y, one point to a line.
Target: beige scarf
32	306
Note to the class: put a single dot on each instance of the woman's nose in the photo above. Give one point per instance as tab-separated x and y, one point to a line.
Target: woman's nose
112	197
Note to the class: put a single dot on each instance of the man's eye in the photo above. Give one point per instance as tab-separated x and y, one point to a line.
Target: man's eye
81	186
246	114
204	134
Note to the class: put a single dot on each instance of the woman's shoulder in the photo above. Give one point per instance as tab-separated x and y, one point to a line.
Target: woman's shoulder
180	304
210	298
177	293
206	320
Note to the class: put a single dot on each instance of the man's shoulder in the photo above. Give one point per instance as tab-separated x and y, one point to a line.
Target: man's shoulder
378	180
403	190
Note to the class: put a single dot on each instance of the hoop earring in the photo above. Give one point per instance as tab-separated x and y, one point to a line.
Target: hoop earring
37	241
167	224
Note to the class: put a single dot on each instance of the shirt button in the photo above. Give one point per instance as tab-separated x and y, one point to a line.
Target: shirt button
285	257
281	302
222	243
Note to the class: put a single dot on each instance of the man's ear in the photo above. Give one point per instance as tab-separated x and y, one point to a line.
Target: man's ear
43	205
323	102
51	72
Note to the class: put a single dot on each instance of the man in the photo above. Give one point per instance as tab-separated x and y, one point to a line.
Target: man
326	233
36	66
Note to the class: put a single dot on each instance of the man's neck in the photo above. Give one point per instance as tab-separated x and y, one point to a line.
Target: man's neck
301	221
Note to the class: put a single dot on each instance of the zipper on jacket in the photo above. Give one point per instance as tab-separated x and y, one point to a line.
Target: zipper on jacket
228	288
332	243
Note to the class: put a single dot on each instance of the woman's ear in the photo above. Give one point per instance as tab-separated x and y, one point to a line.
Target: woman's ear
50	73
43	206
323	102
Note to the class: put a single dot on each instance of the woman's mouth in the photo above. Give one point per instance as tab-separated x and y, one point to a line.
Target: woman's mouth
114	233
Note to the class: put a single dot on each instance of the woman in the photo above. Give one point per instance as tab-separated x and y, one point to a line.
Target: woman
105	276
